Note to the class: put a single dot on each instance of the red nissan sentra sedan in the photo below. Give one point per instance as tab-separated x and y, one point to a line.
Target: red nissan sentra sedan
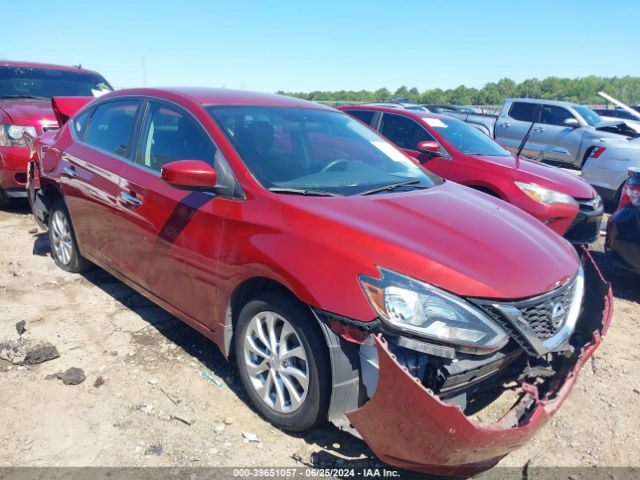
347	283
456	151
25	106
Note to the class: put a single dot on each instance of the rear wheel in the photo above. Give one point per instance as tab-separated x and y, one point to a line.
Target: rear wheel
64	247
283	362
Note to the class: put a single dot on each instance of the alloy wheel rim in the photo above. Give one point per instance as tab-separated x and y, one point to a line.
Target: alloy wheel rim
276	362
61	233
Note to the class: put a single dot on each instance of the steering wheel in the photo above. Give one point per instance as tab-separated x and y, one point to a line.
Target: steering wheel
333	164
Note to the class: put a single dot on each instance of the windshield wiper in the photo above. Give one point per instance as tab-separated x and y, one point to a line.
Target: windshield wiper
393	186
24	96
303	191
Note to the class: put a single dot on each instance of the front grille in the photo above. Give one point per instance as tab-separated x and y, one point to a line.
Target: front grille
586	226
542	318
534	321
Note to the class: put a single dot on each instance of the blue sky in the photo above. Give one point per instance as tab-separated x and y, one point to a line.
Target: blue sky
309	45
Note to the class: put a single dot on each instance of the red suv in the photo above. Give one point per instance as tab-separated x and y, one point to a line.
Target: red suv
25	106
347	282
456	151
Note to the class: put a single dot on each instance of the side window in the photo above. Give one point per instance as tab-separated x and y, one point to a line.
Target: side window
403	131
80	124
111	126
170	135
365	116
522	111
552	115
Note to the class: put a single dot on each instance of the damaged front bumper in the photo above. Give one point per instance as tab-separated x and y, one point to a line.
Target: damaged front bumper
409	426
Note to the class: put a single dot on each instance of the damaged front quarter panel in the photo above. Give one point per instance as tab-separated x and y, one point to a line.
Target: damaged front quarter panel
409	426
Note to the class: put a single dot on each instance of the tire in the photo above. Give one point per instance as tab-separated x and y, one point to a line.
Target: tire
4	200
62	238
301	404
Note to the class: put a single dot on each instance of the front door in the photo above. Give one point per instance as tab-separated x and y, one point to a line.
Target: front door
561	142
169	238
406	133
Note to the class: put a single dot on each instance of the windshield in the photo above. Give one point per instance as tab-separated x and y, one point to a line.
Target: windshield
591	117
316	152
27	82
465	138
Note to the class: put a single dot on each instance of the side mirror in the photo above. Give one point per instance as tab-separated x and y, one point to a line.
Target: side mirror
189	175
429	147
572	122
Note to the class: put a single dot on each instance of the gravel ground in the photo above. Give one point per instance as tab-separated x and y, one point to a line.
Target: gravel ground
145	401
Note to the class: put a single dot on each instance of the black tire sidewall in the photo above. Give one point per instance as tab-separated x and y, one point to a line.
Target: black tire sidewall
4	199
314	408
77	263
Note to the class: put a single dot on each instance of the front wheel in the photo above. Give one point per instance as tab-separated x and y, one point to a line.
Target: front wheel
4	200
283	362
64	247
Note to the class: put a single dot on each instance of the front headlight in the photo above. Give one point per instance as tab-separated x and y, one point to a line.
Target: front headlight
429	312
11	135
544	195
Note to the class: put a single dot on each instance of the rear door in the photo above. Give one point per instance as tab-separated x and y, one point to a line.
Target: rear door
560	142
91	165
512	125
406	133
168	237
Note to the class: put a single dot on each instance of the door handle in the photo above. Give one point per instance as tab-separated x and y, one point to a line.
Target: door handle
69	172
129	201
538	129
505	124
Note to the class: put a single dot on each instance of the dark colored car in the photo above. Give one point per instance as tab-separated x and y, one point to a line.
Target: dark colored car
25	106
623	229
347	282
456	151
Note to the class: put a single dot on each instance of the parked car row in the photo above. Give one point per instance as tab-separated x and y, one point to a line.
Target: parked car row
347	282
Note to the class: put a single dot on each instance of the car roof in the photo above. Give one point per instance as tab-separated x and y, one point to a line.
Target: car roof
397	111
48	66
222	96
558	103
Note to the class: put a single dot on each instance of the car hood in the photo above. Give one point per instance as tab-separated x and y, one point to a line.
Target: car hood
32	112
544	175
450	236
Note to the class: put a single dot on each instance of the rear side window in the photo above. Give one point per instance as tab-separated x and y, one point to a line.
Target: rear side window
80	124
552	115
111	126
365	116
403	131
522	111
169	135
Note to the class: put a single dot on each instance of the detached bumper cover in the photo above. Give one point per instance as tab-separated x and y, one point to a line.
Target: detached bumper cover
409	427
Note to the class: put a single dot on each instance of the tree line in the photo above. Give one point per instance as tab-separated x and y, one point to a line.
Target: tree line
578	90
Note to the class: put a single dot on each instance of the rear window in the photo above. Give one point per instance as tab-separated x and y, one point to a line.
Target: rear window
522	111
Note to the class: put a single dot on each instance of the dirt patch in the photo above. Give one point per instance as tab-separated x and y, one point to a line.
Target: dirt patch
145	400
